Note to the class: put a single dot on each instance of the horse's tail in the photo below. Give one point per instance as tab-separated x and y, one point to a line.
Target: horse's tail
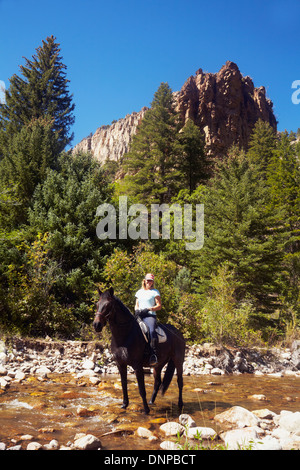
167	377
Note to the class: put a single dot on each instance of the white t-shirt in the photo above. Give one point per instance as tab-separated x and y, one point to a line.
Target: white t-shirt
146	298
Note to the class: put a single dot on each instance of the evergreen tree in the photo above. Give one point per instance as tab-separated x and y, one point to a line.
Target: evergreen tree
65	206
241	229
262	144
194	165
284	182
152	164
40	92
284	179
29	153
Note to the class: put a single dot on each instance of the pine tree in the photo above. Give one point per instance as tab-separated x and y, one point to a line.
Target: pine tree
40	92
34	127
65	207
194	164
262	144
242	230
283	178
152	163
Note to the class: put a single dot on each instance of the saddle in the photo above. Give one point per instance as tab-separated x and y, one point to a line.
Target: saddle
161	335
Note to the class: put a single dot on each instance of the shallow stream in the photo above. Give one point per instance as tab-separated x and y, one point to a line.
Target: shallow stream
49	410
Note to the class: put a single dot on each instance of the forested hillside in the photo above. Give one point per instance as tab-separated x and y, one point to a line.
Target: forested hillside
241	288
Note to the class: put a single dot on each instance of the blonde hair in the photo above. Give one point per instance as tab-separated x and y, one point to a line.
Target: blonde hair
144	284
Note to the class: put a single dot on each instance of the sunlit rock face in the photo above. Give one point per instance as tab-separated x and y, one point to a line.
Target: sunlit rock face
225	105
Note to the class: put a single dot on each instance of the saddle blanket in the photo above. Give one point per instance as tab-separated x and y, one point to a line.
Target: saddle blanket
162	337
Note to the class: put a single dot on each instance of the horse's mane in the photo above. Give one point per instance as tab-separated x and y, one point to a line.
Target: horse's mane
122	306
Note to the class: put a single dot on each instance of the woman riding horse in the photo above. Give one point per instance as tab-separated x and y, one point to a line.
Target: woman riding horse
148	302
129	348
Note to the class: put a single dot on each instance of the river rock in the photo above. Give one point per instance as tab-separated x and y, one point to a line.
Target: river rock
259	397
172	428
236	417
3	358
187	421
26	437
202	432
264	413
94	380
295	354
83	412
86	373
34	446
17	447
287	439
290	421
53	445
87	442
19	376
239	438
88	364
266	443
217	371
144	433
169	445
4	384
43	371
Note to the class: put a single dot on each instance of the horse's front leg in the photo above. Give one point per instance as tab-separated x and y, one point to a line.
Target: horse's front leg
141	383
123	373
157	383
180	386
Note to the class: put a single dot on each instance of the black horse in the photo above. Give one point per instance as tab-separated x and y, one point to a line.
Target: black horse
130	348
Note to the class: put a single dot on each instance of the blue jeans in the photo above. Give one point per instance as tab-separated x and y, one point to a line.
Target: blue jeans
150	321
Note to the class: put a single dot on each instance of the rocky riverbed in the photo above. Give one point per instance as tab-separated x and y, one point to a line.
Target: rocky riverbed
88	362
19	357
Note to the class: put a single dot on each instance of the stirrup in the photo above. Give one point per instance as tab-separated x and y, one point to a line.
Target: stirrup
153	360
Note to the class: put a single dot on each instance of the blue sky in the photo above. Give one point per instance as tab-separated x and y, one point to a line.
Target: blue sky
118	52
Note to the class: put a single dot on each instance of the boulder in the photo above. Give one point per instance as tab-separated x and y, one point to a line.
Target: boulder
87	442
3	358
172	428
144	433
236	417
201	432
169	445
239	438
187	421
266	443
88	364
290	421
34	446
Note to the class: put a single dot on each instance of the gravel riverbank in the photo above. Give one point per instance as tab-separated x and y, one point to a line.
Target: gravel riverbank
20	357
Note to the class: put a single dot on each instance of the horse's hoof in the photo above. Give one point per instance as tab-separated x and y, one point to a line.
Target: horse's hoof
124	406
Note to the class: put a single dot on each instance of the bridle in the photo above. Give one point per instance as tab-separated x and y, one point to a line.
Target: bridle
101	316
104	317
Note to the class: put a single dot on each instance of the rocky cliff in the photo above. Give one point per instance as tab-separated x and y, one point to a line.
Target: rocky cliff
111	142
224	105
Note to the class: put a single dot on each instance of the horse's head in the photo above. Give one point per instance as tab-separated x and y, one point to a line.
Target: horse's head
104	309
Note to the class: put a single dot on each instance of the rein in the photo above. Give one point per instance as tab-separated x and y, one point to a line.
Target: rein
98	314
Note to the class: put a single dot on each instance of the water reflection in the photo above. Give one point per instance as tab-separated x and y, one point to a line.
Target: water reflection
59	408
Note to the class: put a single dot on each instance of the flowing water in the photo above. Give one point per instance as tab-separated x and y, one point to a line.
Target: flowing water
49	410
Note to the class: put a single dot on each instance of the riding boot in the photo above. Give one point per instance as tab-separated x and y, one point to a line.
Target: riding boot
153	357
